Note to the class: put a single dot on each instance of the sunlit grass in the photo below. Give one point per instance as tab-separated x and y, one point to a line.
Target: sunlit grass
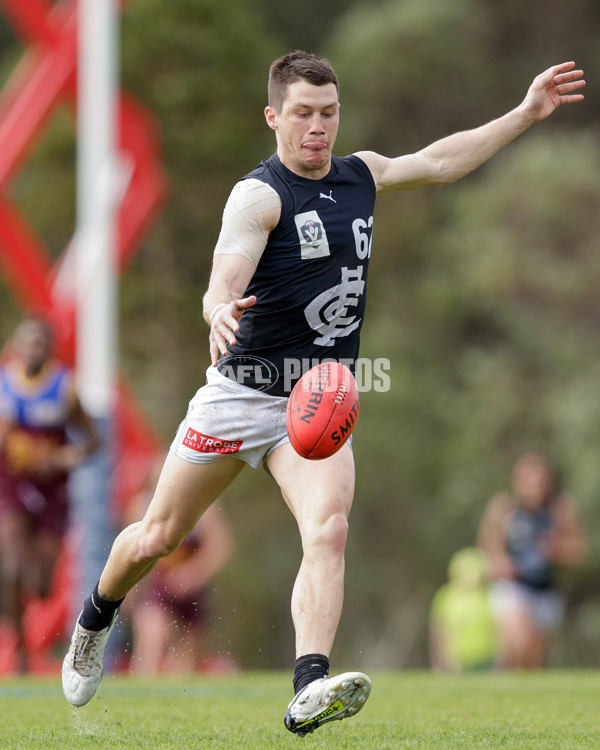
406	710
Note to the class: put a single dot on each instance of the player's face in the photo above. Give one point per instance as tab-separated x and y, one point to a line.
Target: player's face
306	128
33	344
532	482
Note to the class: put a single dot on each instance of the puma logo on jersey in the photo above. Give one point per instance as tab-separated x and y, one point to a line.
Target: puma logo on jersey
329	197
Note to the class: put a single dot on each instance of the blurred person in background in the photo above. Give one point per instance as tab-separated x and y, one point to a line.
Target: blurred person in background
527	534
38	403
462	632
170	608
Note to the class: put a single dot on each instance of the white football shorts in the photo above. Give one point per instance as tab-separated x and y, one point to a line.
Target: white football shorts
545	607
226	418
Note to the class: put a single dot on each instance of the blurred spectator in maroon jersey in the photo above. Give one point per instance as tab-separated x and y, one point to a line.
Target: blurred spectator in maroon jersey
38	403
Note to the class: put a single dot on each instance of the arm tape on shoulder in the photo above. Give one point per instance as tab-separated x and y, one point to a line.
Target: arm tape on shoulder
242	232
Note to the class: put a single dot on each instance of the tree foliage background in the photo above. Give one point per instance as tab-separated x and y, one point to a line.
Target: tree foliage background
483	294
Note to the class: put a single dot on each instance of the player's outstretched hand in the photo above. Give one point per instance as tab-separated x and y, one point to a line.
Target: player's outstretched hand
552	88
224	325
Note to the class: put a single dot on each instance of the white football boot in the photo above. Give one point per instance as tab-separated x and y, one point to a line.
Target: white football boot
82	667
327	699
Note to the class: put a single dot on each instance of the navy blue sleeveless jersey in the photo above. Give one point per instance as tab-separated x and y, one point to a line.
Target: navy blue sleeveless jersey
525	536
310	282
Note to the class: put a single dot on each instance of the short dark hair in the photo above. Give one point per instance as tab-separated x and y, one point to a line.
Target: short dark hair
297	66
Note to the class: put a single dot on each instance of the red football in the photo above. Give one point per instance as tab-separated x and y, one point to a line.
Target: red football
322	410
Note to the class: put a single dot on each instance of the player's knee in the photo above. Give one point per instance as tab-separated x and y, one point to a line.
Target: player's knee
331	534
158	540
158	545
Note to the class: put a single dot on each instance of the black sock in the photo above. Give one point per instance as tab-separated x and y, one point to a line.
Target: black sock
98	612
308	668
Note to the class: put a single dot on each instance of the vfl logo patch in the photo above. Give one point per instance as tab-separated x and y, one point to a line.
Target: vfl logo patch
311	235
207	444
312	232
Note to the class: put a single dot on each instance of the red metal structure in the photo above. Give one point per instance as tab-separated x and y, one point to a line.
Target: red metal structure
46	78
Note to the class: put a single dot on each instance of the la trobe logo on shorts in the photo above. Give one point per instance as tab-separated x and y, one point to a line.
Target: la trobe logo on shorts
208	444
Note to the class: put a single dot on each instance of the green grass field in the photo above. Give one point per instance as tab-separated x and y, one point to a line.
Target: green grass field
406	710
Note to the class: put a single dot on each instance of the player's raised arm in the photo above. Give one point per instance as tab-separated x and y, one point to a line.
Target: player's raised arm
451	158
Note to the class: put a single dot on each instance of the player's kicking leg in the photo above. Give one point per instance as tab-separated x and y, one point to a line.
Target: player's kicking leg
183	493
319	494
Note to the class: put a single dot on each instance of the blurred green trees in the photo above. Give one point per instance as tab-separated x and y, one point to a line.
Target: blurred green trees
483	295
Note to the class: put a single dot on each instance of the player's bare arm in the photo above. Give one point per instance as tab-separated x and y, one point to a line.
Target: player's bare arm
90	439
491	535
4	430
67	457
451	158
568	545
224	302
252	211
